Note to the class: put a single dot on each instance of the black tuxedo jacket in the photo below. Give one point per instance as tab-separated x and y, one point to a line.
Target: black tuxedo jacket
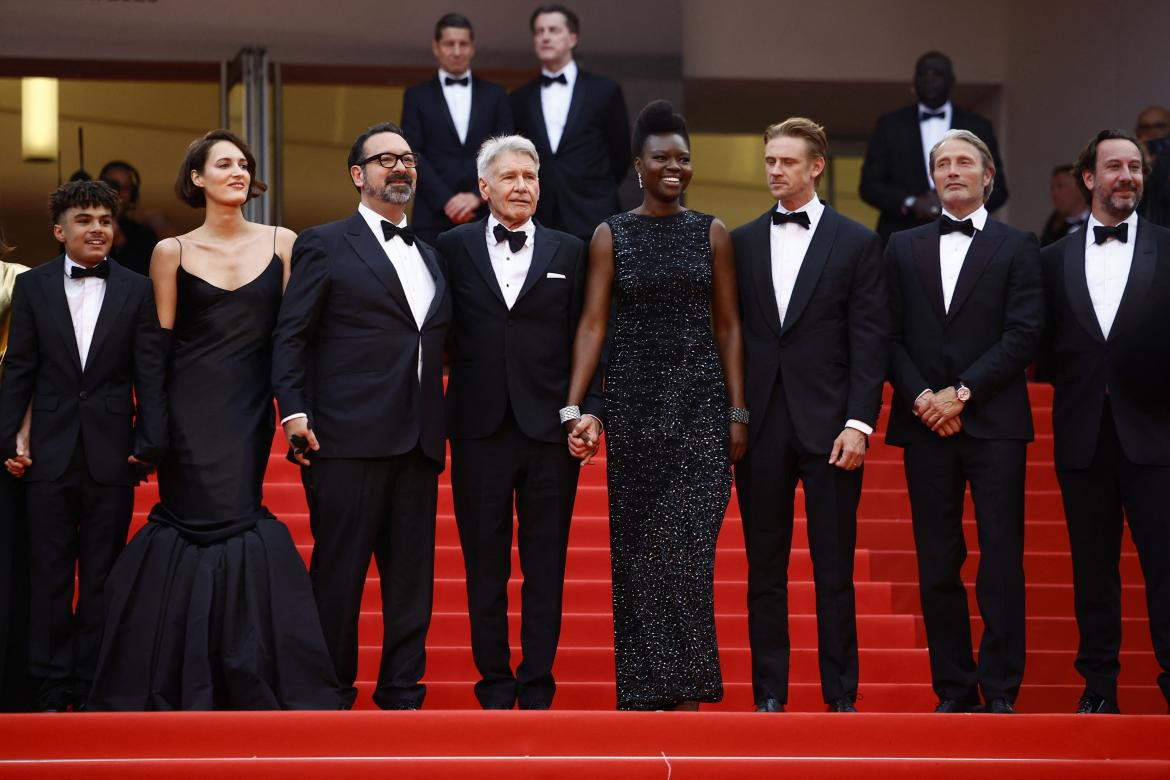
1132	365
832	350
894	168
579	183
346	346
986	340
126	363
519	357
446	166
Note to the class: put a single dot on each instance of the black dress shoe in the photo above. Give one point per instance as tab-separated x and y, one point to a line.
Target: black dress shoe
999	706
952	705
769	704
1092	704
403	705
844	704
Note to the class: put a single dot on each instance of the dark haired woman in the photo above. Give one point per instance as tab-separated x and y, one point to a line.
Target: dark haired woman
674	407
210	606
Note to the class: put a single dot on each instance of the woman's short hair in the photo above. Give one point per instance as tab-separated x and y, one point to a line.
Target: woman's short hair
657	118
984	154
196	160
502	144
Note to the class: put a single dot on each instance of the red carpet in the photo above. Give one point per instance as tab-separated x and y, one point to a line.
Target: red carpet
895	676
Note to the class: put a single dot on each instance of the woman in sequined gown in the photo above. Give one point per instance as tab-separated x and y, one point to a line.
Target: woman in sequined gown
675	368
210	605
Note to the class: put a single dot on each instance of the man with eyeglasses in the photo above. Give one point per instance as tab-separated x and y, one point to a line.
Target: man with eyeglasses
357	371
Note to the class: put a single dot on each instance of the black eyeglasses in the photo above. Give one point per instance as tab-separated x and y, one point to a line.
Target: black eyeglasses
389	159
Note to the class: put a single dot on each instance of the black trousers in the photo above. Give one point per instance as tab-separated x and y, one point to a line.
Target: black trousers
383	507
937	474
17	692
76	525
766	488
488	477
1094	502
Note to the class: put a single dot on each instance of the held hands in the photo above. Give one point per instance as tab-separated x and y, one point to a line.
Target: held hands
298	428
739	441
940	411
584	438
17	465
848	449
462	207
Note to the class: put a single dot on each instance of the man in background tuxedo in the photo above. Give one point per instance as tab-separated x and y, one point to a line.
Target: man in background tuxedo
516	293
357	369
447	118
896	178
1152	129
816	331
85	346
1108	357
580	126
967	311
1070	209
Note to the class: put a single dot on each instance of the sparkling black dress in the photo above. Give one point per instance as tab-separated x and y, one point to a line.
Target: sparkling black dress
210	605
669	471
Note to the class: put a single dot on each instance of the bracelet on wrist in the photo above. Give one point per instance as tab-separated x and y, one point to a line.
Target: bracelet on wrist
736	414
569	413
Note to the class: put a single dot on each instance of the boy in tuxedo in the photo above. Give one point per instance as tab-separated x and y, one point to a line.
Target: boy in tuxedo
86	355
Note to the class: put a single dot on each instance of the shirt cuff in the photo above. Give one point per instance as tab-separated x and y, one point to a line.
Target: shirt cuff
918	398
283	420
858	425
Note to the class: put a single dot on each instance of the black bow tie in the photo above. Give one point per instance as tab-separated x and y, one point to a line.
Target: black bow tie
924	115
546	81
796	217
449	80
948	225
515	238
99	271
405	233
1101	234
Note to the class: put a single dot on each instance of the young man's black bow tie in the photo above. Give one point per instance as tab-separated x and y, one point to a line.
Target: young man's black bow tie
515	238
405	233
948	225
547	81
99	271
1101	234
449	80
796	217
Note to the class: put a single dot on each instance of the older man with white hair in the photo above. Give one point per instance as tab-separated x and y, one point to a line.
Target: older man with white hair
517	289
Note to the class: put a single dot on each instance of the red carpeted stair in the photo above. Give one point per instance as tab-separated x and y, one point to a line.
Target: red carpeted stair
895	676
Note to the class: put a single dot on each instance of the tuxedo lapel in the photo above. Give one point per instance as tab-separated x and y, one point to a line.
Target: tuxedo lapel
1077	286
536	111
432	263
362	240
811	267
445	110
54	290
1141	277
760	258
117	288
544	248
478	123
576	107
983	247
913	134
476	245
926	260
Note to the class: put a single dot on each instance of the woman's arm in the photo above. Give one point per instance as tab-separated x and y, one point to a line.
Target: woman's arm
284	245
587	344
728	335
164	265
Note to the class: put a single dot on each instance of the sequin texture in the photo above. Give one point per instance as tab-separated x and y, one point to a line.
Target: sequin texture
668	465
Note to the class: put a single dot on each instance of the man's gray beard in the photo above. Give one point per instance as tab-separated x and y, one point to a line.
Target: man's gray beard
391	193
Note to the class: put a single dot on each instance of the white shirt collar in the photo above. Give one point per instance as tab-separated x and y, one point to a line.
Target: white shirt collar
569	70
945	108
528	228
443	75
375	220
1131	220
814	208
978	217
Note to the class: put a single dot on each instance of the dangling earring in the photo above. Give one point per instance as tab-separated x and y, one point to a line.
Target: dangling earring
639	179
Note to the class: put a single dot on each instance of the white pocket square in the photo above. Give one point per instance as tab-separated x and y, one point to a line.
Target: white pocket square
555	275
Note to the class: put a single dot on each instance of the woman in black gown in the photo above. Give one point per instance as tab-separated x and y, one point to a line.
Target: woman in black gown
674	373
210	606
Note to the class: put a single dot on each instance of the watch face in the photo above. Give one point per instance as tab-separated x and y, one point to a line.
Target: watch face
964	394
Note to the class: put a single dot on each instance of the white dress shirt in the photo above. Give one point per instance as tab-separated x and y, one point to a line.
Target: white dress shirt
1107	270
952	251
458	102
85	298
511	267
931	132
555	100
789	245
